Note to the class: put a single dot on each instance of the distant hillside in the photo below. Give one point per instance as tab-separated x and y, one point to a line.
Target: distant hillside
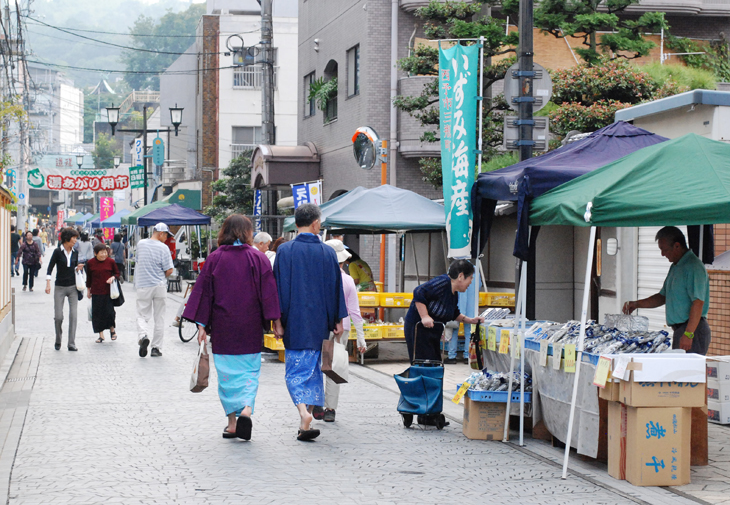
99	15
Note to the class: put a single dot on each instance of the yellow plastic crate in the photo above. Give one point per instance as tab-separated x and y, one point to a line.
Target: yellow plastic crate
496	299
392	331
271	342
368	298
395	299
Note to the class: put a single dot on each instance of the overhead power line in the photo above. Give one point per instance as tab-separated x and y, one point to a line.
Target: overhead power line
163	71
130	34
130	48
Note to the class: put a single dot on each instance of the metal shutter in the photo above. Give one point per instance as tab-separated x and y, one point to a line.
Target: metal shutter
652	270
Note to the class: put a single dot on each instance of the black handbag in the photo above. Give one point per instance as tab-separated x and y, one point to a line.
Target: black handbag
118	302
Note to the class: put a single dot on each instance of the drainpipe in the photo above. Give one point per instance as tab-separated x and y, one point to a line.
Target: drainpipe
392	238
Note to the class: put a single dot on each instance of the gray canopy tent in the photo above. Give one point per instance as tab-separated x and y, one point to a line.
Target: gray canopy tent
381	210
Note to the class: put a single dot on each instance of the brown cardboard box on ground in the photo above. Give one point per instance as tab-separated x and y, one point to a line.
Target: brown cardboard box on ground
617	418
658	446
611	391
662	394
483	420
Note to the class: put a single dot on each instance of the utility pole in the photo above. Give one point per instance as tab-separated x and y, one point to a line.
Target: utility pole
144	149
267	68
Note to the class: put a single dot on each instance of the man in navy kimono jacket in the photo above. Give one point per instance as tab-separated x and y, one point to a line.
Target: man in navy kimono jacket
312	305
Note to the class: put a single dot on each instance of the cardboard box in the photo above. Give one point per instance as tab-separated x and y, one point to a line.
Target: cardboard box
718	368
662	394
483	420
611	391
718	391
617	418
658	446
718	412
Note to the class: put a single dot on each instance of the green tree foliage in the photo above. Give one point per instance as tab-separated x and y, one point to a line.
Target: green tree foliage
448	20
172	23
588	95
104	151
582	19
682	76
233	190
716	57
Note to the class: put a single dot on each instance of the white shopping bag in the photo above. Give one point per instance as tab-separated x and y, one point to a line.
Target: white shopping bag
89	310
81	280
201	370
114	290
335	362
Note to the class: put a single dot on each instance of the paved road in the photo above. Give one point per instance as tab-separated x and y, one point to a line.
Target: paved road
104	426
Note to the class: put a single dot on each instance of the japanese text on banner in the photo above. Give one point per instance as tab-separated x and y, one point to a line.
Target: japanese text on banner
458	78
78	180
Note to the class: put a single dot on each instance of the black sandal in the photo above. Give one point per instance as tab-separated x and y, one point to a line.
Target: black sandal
307	435
113	335
99	340
228	434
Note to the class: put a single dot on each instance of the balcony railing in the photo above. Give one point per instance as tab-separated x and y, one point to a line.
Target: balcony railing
238	149
250	77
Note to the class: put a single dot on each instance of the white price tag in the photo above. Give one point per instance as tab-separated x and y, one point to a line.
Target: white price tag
557	355
543	353
619	371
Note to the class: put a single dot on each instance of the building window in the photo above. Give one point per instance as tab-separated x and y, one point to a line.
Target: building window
330	74
353	71
309	105
245	138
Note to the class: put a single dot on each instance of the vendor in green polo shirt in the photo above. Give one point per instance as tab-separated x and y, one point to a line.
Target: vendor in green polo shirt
686	292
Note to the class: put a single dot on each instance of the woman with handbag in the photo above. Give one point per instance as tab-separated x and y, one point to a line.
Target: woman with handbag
66	262
234	298
32	260
100	273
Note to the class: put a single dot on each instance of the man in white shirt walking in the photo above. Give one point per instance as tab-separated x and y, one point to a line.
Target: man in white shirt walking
152	267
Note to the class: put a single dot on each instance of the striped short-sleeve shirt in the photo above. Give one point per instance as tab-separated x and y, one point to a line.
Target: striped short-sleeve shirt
152	260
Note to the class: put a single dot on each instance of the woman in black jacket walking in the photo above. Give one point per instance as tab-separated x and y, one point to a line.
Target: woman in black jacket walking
32	258
66	260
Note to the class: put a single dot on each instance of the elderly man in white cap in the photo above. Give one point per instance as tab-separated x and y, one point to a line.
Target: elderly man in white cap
152	267
262	241
332	389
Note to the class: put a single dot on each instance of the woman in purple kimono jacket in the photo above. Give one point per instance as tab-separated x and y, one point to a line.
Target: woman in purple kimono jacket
234	299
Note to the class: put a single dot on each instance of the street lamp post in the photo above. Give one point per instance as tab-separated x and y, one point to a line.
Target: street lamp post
113	118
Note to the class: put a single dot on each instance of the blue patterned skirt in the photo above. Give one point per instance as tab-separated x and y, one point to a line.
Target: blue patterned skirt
304	377
238	380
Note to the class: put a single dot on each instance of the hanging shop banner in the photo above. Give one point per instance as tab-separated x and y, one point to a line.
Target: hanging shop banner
136	177
307	192
257	208
315	192
458	78
52	179
106	209
59	220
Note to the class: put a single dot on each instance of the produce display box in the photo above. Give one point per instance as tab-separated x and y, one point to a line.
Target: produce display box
718	390
368	298
273	343
718	412
496	299
391	331
395	299
496	396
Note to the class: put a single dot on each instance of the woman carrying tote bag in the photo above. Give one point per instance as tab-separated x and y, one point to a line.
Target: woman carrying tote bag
101	271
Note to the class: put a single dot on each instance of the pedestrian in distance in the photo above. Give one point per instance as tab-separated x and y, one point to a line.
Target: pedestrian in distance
235	296
331	388
152	268
66	262
118	254
84	247
437	300
262	242
14	246
32	260
39	243
101	271
312	305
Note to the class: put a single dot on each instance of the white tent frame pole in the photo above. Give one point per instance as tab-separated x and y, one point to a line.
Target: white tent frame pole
523	323
520	311
579	356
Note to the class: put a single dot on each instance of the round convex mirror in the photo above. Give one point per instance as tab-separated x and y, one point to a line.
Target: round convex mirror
364	147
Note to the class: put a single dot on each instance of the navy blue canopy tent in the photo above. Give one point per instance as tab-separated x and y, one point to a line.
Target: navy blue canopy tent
174	215
531	178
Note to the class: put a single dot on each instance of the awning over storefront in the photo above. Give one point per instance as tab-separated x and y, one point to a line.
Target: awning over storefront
276	167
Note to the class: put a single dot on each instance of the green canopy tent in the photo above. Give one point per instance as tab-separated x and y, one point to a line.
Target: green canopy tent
650	187
327	208
131	219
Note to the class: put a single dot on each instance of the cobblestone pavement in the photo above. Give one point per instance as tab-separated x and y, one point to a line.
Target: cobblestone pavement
102	425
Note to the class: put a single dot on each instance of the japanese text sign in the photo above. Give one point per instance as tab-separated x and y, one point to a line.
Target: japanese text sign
78	180
458	75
